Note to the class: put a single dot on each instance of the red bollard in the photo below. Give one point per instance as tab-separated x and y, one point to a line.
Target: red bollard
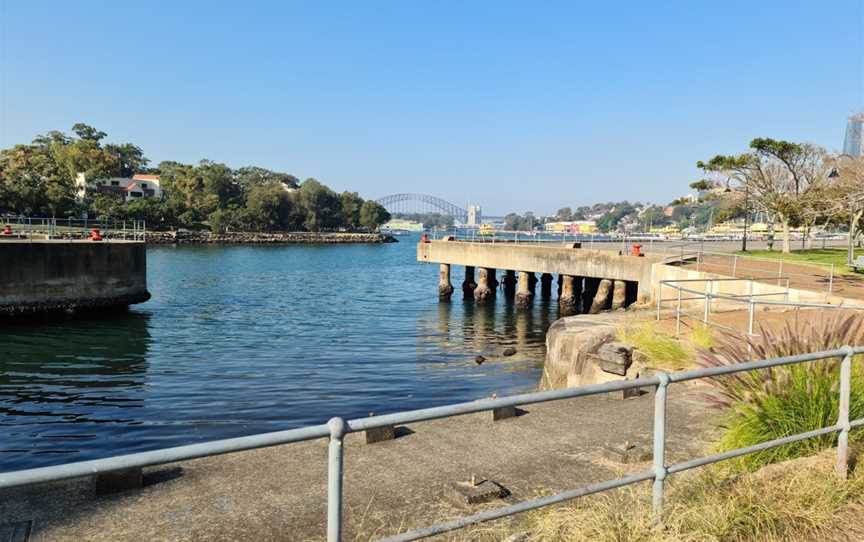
95	234
424	238
7	230
636	249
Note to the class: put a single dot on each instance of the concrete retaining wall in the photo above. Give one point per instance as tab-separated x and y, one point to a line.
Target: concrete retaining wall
43	277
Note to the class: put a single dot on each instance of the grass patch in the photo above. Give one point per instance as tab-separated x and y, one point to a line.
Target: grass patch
701	337
662	351
790	502
818	256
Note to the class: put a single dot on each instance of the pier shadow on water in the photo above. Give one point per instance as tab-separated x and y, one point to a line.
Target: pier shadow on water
68	385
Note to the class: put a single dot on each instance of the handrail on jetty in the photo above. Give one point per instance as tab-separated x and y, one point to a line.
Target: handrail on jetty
35	228
337	428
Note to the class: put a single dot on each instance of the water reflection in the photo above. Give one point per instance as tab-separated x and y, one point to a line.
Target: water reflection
90	373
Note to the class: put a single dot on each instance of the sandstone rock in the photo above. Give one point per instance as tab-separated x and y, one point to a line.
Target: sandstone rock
614	357
509	351
573	352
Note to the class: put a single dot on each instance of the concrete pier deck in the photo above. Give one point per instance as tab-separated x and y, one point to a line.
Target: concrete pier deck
540	258
279	493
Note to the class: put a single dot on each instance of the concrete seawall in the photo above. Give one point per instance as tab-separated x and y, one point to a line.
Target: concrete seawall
64	277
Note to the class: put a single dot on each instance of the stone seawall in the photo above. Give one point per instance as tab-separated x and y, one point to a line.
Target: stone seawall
239	238
252	238
44	278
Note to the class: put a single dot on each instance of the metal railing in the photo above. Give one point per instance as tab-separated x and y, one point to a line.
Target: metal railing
711	293
33	228
337	428
740	265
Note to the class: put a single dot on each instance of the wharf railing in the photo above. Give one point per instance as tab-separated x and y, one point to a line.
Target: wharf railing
36	228
548	238
337	428
708	291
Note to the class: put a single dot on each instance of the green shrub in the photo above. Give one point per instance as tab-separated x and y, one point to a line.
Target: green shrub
782	401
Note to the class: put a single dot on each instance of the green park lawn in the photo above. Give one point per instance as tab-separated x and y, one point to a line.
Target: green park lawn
819	256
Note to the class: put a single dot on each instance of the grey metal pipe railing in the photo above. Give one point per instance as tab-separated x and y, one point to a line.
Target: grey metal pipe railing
336	430
751	299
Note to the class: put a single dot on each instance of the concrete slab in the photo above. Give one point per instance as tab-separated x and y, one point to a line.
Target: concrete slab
279	493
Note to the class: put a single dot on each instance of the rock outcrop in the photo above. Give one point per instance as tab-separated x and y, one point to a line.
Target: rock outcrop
582	350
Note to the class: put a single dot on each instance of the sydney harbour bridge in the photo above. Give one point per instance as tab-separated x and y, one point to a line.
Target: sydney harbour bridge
422	204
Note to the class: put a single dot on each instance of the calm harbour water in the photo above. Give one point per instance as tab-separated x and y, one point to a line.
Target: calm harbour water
247	339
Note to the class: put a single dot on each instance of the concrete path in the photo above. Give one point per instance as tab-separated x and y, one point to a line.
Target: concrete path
279	493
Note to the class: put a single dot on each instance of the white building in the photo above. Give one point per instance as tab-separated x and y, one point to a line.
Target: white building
139	186
475	215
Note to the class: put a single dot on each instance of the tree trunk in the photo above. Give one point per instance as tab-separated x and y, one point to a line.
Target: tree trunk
786	236
850	252
771	234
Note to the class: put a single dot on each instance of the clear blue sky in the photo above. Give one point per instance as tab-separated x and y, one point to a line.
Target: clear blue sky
516	106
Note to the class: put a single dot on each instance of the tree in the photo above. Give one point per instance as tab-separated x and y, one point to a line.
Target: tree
350	204
250	176
88	133
702	185
564	214
271	207
844	197
783	178
373	214
130	158
320	205
806	164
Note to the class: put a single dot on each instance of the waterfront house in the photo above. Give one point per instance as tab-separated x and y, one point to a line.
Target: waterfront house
127	189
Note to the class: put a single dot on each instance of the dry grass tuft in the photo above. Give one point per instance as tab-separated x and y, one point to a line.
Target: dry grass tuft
800	501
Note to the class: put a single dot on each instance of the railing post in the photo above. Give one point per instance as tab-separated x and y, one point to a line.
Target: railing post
334	479
707	301
659	446
659	297
780	271
734	264
842	466
750	318
830	279
678	314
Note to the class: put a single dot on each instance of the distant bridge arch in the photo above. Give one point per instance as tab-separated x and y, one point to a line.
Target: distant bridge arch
422	203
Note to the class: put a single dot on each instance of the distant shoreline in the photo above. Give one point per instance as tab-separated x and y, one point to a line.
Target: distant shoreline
264	238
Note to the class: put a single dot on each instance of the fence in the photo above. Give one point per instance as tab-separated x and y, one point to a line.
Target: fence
337	428
745	266
588	240
712	293
31	228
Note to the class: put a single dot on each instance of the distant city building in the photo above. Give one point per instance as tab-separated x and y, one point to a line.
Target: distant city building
475	215
853	143
571	226
139	186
